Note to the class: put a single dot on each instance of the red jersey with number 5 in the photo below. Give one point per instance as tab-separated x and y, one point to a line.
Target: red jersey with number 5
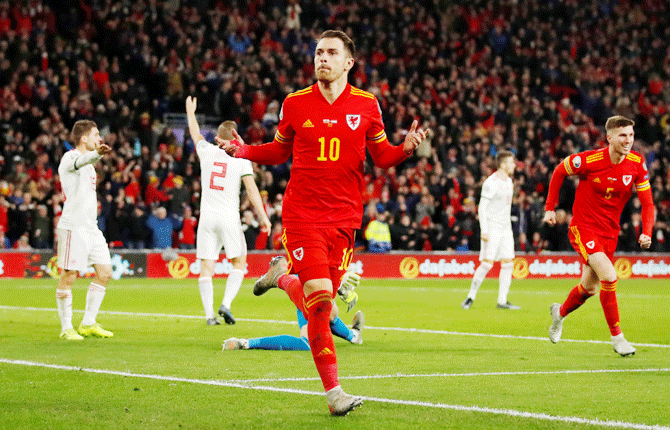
328	143
604	188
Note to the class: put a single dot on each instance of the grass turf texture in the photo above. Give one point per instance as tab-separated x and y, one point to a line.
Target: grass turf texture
428	363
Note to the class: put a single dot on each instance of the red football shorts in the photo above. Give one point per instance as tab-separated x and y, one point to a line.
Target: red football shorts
587	242
317	253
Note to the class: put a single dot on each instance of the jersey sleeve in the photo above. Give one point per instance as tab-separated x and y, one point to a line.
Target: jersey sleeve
279	150
643	188
574	164
488	191
247	169
202	146
72	161
560	172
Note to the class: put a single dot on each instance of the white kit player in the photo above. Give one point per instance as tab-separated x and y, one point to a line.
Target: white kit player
497	241
219	225
80	242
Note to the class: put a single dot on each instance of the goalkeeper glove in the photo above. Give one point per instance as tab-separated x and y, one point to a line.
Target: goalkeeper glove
349	282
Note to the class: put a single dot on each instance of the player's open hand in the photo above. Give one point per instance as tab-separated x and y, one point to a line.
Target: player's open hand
231	146
549	217
414	138
645	241
103	148
191	104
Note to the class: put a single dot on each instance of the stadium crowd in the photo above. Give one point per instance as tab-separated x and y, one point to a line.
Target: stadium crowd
536	77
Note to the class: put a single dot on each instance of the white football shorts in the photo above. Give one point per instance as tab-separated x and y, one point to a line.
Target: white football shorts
80	248
499	246
221	232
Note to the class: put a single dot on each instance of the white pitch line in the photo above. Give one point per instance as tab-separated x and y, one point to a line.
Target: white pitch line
367	327
495	411
448	375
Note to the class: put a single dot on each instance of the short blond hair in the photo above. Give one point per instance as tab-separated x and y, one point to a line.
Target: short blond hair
225	130
80	128
616	122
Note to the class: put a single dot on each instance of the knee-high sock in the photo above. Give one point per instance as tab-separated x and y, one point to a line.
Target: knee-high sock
94	296
578	295
293	287
318	306
233	284
504	282
478	278
64	303
207	296
340	329
610	306
282	342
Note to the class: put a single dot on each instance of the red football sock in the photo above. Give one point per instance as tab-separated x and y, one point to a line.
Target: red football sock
576	298
293	287
610	306
319	305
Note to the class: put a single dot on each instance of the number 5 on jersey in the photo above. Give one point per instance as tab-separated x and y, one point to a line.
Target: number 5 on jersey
221	174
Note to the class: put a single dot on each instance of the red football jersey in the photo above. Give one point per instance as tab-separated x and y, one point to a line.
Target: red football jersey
604	188
328	144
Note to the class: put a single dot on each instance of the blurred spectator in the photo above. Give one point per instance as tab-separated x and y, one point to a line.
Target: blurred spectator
179	196
161	229
42	228
4	241
378	233
404	234
137	229
187	234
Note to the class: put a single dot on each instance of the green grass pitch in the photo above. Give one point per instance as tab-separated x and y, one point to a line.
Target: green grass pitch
425	363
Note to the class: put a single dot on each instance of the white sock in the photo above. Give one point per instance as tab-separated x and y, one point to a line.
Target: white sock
94	296
505	280
64	303
233	284
478	278
207	296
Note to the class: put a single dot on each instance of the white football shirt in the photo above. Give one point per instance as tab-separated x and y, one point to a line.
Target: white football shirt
221	177
79	180
495	206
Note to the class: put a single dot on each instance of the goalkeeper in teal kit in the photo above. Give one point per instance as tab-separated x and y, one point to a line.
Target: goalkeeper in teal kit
292	343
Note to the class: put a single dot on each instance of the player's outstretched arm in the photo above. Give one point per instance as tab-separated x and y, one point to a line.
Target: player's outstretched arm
385	155
193	127
271	153
256	201
73	162
552	196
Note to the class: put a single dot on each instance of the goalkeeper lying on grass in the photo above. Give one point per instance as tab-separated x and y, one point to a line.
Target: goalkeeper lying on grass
290	284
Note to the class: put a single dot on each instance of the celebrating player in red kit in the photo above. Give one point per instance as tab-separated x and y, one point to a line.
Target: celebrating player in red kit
327	127
606	180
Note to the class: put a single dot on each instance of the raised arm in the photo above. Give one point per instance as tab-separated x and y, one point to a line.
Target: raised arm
193	127
255	199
